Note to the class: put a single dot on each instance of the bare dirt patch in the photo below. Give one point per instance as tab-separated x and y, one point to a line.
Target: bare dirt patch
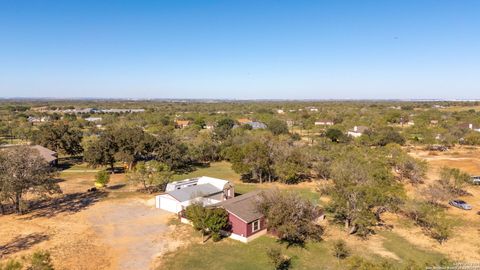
112	234
112	229
464	245
134	230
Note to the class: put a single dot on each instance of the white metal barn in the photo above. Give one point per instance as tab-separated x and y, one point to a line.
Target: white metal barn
206	190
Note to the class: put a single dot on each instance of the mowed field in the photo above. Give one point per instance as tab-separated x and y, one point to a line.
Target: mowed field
121	229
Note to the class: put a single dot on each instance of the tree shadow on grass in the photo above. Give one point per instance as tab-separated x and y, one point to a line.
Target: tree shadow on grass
68	162
69	204
292	243
117	186
20	243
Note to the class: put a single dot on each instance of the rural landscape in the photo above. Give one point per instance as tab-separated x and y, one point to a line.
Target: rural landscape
337	185
239	135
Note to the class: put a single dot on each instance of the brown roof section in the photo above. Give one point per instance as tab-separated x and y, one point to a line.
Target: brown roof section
467	126
182	122
244	121
46	153
243	206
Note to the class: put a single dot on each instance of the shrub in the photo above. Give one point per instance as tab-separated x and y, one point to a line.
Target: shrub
454	179
279	261
432	219
340	250
11	265
102	178
291	216
335	135
41	260
206	220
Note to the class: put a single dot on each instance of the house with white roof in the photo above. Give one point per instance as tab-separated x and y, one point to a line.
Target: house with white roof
357	131
205	190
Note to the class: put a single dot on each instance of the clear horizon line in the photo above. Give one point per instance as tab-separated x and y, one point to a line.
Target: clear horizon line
239	99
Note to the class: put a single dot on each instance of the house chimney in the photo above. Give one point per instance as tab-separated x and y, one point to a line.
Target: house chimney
470	126
355	128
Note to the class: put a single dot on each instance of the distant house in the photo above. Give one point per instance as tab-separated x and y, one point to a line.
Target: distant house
33	119
204	190
312	109
253	124
243	121
246	223
324	123
48	155
93	119
280	111
357	131
182	123
433	122
79	111
257	125
290	123
209	126
469	126
120	111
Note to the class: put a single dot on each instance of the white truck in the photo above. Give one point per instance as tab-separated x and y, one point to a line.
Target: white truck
476	180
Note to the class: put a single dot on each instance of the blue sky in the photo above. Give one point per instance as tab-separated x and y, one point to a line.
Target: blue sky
241	49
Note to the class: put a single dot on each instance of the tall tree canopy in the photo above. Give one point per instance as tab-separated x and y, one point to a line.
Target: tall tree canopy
291	216
363	187
59	136
23	170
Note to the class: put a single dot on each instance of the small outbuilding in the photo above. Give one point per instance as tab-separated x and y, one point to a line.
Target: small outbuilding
246	223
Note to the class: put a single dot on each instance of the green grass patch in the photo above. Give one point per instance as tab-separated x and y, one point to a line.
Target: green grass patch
306	193
220	170
407	251
67	175
230	254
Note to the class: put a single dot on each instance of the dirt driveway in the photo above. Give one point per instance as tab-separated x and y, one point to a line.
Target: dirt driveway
127	233
135	231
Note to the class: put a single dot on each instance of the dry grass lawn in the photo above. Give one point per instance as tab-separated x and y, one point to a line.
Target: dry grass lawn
116	229
121	229
465	243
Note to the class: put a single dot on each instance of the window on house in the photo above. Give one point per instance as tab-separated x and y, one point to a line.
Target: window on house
256	225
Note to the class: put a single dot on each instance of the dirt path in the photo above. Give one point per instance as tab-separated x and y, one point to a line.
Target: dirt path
110	234
135	231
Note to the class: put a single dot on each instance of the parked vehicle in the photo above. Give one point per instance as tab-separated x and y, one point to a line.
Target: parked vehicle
460	204
476	180
437	147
